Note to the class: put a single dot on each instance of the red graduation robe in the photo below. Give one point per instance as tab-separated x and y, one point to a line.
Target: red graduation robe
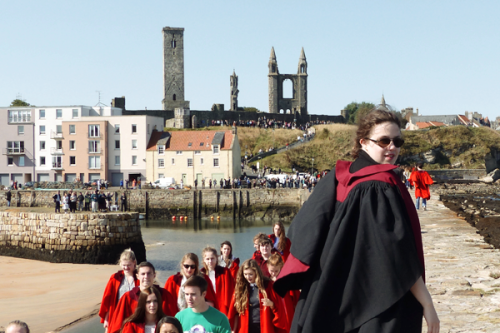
421	180
224	288
133	328
271	320
110	296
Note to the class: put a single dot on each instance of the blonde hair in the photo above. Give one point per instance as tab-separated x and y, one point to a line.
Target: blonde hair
214	251
128	254
241	292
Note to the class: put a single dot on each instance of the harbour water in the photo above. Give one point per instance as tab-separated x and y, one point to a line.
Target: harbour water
166	242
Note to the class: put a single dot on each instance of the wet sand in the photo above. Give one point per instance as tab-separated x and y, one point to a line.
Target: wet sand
49	296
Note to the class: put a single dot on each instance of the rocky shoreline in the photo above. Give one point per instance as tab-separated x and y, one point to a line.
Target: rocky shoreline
478	204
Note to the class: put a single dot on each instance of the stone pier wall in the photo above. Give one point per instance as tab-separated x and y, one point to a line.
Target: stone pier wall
201	203
74	238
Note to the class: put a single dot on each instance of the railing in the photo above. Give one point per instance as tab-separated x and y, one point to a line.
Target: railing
93	151
55	135
57	166
13	151
54	151
94	135
94	167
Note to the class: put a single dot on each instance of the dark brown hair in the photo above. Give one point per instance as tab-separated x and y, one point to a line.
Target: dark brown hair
369	121
169	320
197	281
282	236
266	240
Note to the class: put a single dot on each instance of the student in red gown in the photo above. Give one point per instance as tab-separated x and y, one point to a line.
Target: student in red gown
280	242
219	277
266	250
256	244
118	284
175	284
147	313
255	307
227	259
168	324
275	264
127	304
421	180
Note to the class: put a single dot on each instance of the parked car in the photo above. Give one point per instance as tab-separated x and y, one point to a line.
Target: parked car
163	182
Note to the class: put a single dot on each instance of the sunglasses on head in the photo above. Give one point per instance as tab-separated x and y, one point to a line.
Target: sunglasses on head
384	142
189	266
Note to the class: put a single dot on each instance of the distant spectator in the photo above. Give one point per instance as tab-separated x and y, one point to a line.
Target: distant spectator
17	326
8	196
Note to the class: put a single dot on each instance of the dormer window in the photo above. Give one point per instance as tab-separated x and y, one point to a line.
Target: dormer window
215	149
201	144
190	144
161	150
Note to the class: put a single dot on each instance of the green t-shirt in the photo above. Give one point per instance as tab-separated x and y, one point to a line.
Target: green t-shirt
210	321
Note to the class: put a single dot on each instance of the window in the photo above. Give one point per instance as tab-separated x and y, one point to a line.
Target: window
174	44
197	152
174	97
117	144
20	130
20	116
161	163
58	113
42	145
59	145
134	144
201	161
41	114
94	146
117	160
42	160
75	113
72	160
94	131
72	145
42	129
216	162
10	161
161	150
134	128
190	144
215	149
59	129
173	161
179	152
201	144
161	175
190	162
117	129
21	161
15	147
94	162
134	160
72	129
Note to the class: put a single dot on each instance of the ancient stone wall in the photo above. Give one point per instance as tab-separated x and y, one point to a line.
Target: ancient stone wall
457	174
75	238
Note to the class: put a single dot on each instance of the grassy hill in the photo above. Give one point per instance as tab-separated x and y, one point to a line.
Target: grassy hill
460	146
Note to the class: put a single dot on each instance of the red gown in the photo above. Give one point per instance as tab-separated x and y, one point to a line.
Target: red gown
235	266
421	180
224	288
173	285
133	328
110	297
288	244
127	304
271	320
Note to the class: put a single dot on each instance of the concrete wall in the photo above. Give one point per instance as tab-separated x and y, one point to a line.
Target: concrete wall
457	174
76	238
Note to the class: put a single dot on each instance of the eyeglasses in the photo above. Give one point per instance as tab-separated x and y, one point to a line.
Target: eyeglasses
384	142
189	266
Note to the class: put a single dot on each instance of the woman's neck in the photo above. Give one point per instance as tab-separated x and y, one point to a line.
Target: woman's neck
150	319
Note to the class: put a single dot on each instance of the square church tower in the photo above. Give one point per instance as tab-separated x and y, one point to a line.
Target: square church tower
173	69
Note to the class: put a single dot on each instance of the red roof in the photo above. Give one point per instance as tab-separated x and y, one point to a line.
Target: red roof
426	124
191	140
464	120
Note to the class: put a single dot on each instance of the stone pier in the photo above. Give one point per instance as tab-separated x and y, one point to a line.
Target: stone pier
463	272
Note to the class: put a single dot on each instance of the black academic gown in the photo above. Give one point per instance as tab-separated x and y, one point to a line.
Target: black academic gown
356	252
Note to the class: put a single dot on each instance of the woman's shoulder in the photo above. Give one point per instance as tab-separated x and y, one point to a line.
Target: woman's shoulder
176	278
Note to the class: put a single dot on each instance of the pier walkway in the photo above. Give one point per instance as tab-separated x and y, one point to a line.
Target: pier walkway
463	272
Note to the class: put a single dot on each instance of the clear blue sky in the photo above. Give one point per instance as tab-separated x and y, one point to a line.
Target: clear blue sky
441	57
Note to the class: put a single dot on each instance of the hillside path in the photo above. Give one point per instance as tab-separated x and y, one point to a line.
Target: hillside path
461	269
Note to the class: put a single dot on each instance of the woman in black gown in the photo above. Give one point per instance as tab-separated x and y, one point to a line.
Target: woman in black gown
356	245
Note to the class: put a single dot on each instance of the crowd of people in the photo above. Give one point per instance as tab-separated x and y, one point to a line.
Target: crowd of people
94	201
221	295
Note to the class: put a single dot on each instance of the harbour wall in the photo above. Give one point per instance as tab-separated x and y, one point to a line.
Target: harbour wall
70	238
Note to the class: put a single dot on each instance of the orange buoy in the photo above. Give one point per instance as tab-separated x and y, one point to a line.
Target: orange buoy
185	219
211	218
218	218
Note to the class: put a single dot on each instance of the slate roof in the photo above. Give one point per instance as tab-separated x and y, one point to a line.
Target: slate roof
192	140
446	119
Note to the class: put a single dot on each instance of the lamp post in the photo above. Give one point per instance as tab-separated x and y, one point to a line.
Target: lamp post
312	165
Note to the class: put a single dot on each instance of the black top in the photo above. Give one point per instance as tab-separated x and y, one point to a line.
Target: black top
254	306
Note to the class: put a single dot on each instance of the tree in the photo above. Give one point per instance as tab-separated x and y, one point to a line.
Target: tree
250	109
357	110
19	102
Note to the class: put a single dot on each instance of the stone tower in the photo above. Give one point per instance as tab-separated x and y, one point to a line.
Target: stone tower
298	103
173	69
234	92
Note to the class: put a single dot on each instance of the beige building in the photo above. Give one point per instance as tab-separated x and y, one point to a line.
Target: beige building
190	155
